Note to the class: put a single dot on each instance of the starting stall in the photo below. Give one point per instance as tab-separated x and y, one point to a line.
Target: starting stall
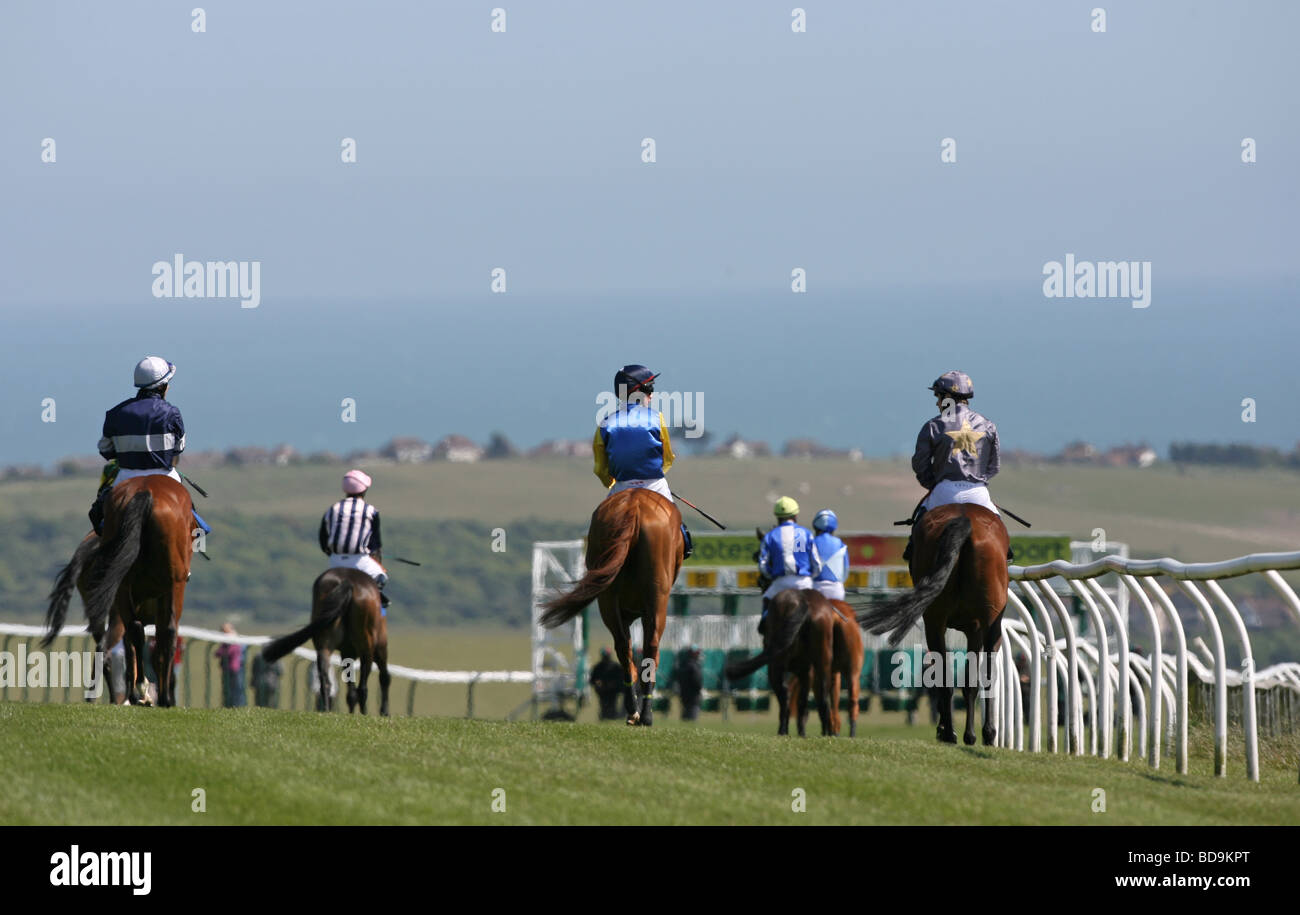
715	607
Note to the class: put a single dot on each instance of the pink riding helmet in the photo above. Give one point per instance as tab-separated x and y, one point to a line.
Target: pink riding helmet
355	482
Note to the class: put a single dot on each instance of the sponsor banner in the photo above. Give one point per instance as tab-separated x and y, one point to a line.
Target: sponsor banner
866	550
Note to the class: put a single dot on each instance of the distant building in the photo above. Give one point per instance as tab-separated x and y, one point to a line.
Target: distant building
738	448
250	456
80	466
808	448
366	455
1021	456
1078	453
562	448
201	460
284	455
457	448
408	450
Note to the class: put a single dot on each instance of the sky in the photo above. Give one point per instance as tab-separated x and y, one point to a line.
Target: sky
774	151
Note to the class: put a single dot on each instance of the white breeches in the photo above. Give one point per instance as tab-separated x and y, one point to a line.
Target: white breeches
832	589
363	562
950	491
124	474
786	582
660	486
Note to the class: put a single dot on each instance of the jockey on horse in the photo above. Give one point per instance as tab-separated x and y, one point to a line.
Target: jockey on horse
633	552
956	452
788	556
349	532
631	446
833	554
142	436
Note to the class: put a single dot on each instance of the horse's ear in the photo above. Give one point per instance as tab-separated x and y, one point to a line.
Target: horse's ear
758	532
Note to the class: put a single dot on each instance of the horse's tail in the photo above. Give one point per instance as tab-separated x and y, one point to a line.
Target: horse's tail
778	643
61	596
116	556
566	606
333	605
901	613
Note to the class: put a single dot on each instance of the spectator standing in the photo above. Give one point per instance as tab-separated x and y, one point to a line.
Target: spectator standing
231	659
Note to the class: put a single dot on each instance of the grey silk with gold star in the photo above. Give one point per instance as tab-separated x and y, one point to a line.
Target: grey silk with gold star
961	445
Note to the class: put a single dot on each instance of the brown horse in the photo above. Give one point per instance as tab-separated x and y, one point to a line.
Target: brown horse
634	552
846	662
959	564
799	640
346	614
133	576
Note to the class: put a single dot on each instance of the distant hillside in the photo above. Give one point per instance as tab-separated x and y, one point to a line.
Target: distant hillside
442	514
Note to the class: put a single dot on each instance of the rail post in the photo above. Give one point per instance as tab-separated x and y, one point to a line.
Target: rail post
1220	677
1180	739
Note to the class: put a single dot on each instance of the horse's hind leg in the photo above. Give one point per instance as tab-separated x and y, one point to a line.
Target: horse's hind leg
135	687
976	661
165	644
381	660
855	675
650	665
992	641
822	690
835	703
323	702
609	612
823	658
363	680
941	695
776	679
801	678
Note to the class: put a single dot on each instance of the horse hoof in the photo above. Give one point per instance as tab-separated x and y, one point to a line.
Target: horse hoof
990	739
968	739
946	736
634	719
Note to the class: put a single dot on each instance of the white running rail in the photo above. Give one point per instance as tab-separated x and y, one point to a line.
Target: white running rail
1161	681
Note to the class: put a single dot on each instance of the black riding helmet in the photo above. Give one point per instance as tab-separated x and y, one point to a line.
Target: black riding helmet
631	378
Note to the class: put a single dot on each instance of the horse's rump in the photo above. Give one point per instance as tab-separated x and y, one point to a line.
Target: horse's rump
626	549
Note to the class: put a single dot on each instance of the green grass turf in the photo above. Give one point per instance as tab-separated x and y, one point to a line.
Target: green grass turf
71	764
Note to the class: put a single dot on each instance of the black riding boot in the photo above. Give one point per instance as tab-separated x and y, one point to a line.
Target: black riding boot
911	535
690	547
96	512
762	620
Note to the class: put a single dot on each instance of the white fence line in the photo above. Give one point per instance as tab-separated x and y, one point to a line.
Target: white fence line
1162	682
468	678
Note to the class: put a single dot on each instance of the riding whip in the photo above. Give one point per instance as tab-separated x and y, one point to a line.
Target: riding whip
701	511
1013	515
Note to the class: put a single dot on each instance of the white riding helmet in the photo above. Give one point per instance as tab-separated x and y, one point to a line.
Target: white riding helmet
152	372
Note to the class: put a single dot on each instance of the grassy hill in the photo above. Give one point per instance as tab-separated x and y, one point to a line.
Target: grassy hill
264	552
101	765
